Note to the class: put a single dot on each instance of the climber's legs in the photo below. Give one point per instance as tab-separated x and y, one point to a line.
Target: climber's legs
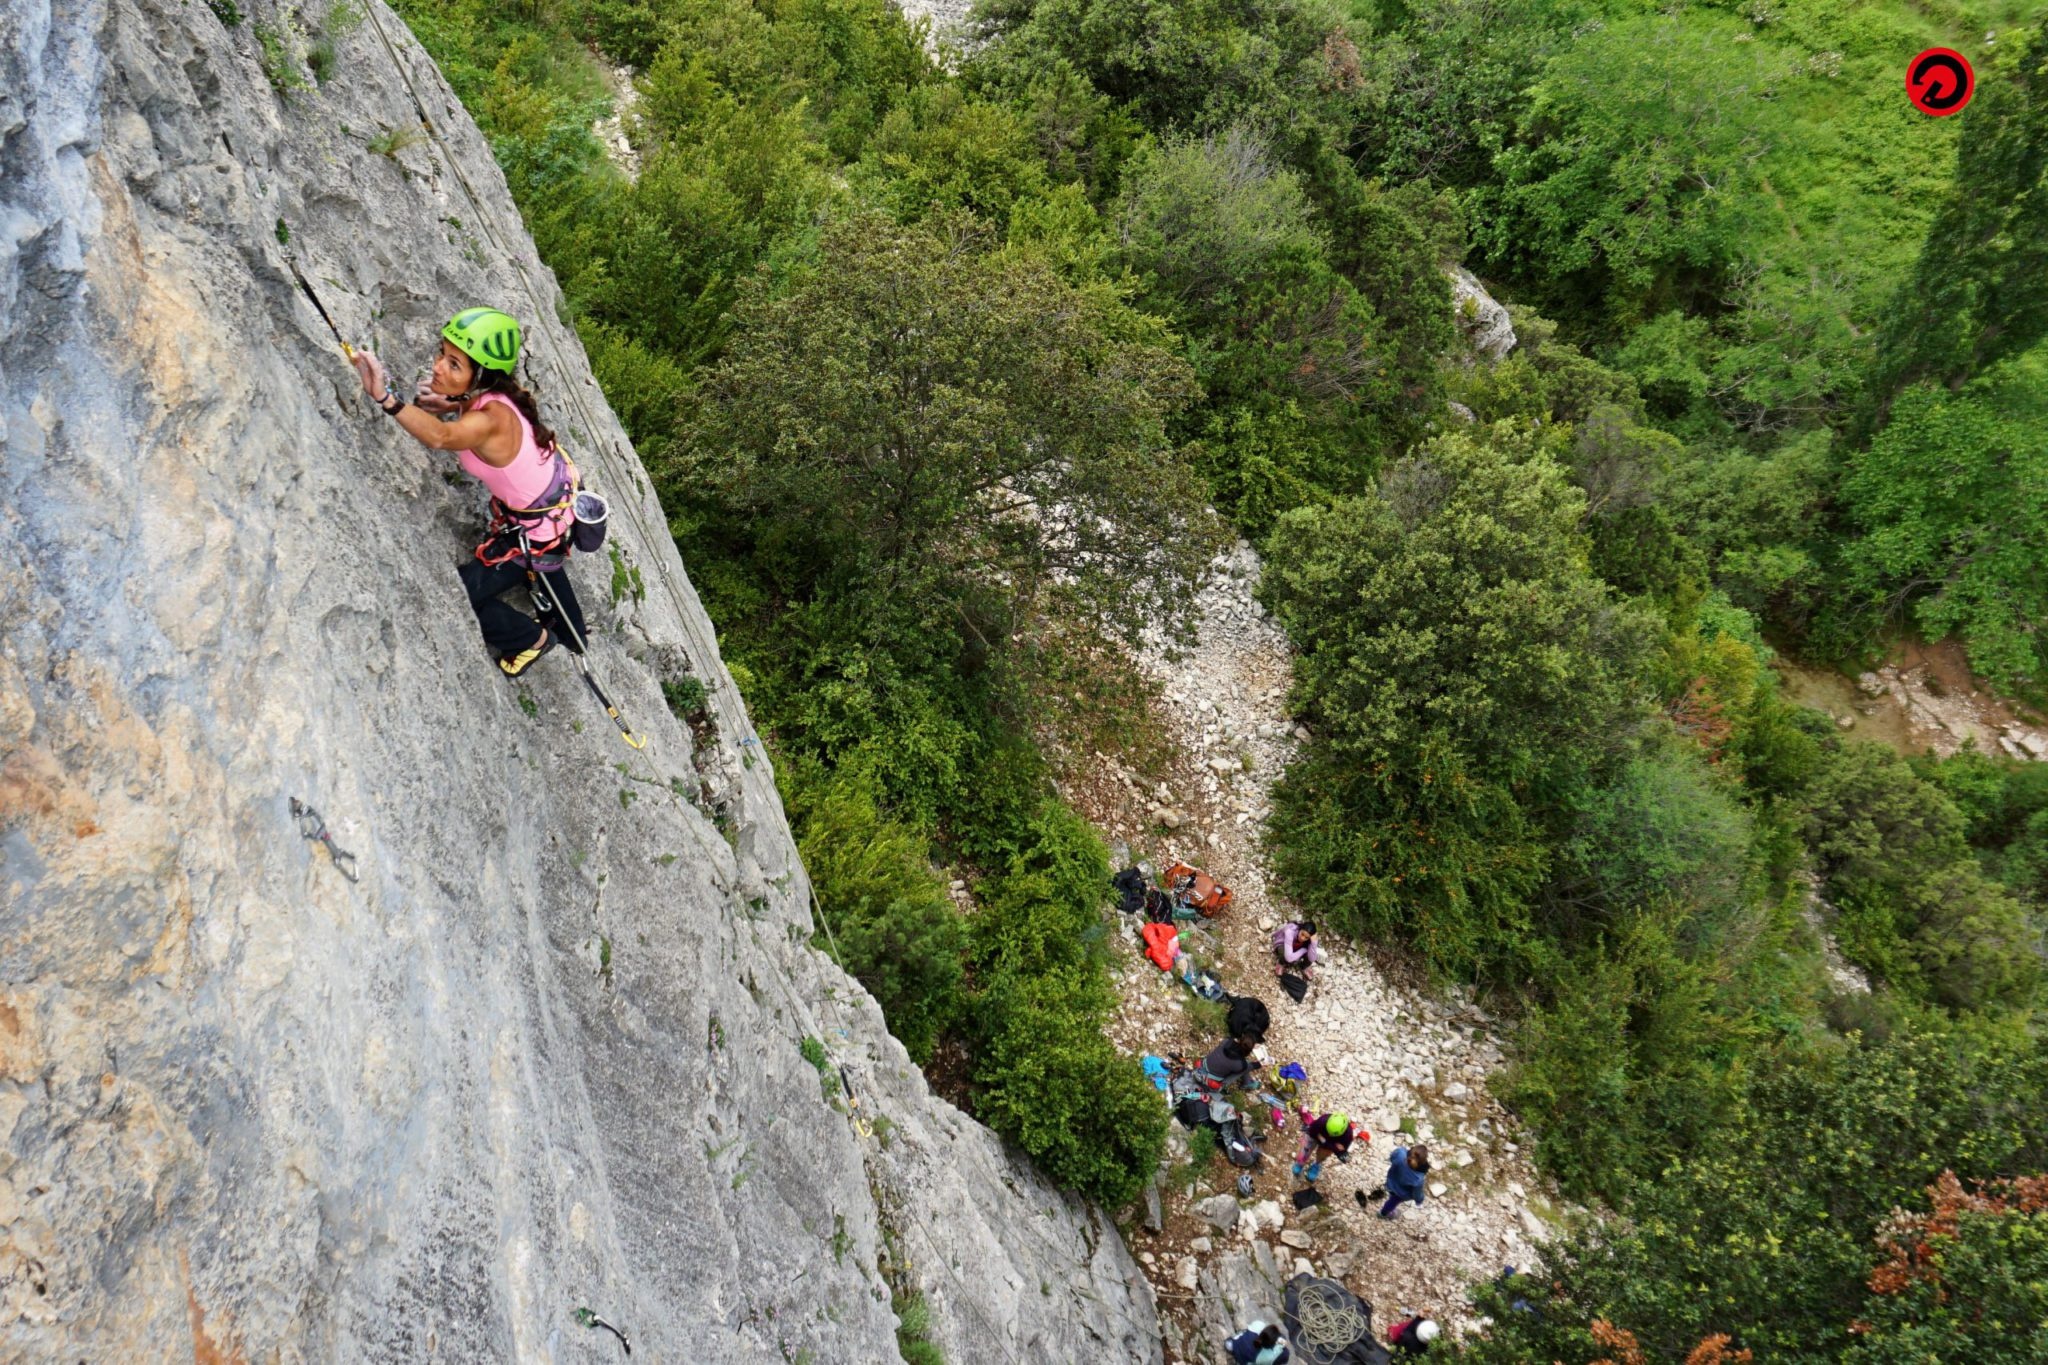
506	629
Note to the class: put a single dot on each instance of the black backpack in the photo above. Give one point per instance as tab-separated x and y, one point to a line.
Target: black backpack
1238	1149
1130	887
1248	1017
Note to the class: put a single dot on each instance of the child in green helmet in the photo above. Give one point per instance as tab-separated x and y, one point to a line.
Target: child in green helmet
1326	1135
472	405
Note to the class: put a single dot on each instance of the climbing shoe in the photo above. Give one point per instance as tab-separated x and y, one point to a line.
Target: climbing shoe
518	662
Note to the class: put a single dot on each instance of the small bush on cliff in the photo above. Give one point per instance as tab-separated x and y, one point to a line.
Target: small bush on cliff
1047	1079
894	926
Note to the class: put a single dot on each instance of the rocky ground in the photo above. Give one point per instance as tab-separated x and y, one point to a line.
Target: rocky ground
1410	1063
610	131
1923	699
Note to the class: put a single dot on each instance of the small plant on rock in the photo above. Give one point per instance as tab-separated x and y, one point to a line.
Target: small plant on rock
280	59
392	141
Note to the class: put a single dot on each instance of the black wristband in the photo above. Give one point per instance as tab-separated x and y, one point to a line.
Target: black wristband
392	405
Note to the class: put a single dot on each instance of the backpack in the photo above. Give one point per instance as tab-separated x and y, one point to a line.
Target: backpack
1197	890
1238	1149
1130	890
1249	1017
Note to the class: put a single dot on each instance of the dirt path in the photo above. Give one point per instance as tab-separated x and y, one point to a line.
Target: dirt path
1375	1042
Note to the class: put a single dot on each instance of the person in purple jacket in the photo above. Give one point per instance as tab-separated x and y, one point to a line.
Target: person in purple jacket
1295	948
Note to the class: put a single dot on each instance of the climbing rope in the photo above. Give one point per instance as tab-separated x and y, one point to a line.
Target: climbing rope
1327	1323
560	376
967	1296
312	827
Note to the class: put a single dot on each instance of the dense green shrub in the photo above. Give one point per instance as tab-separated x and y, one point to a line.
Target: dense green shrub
891	921
1766	1231
1947	498
862	415
1915	906
1048	1080
1044	910
1196	67
1968	1281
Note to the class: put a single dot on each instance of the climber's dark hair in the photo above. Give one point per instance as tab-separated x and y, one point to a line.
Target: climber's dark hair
1269	1337
501	381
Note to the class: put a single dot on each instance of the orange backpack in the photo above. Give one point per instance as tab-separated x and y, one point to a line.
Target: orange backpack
1193	887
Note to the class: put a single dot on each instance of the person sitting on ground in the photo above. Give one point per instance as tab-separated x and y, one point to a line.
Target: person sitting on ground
1405	1172
1258	1344
501	440
1327	1135
1295	949
1411	1336
1229	1063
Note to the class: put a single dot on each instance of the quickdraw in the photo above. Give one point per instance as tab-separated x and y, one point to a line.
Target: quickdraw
544	602
586	1318
860	1124
312	827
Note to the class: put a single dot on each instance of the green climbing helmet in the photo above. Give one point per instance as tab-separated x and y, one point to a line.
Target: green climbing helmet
485	335
1336	1124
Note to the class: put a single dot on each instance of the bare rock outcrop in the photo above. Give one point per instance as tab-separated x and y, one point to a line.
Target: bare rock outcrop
547	1052
1483	320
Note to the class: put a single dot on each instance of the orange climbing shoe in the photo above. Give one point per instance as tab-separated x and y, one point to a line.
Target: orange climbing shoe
516	664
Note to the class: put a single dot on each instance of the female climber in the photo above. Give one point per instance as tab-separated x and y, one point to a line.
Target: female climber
497	432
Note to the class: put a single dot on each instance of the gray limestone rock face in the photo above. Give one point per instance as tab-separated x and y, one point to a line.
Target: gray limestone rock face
1487	328
545	1052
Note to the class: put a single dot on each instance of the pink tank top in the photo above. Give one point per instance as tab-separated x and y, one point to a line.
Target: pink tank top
524	482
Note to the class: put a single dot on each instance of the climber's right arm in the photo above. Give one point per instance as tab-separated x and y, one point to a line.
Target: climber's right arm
486	431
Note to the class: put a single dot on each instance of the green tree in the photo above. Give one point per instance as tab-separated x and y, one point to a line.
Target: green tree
1916	908
929	418
891	922
1948	500
1979	293
1454	606
1440	72
1633	185
1198	67
1765	1231
1226	244
1048	1080
1968	1280
1464	672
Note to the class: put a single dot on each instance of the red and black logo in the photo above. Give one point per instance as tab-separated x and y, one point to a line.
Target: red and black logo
1940	82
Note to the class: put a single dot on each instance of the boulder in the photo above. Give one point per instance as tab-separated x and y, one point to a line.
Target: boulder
1485	323
1220	1211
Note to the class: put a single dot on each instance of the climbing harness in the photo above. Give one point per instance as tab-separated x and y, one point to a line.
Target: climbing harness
586	1318
293	265
312	827
544	602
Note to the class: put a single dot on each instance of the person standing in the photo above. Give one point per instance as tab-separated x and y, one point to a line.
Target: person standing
1406	1172
1328	1135
1411	1336
1258	1344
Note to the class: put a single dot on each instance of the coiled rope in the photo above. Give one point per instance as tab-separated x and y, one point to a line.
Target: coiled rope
1328	1323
